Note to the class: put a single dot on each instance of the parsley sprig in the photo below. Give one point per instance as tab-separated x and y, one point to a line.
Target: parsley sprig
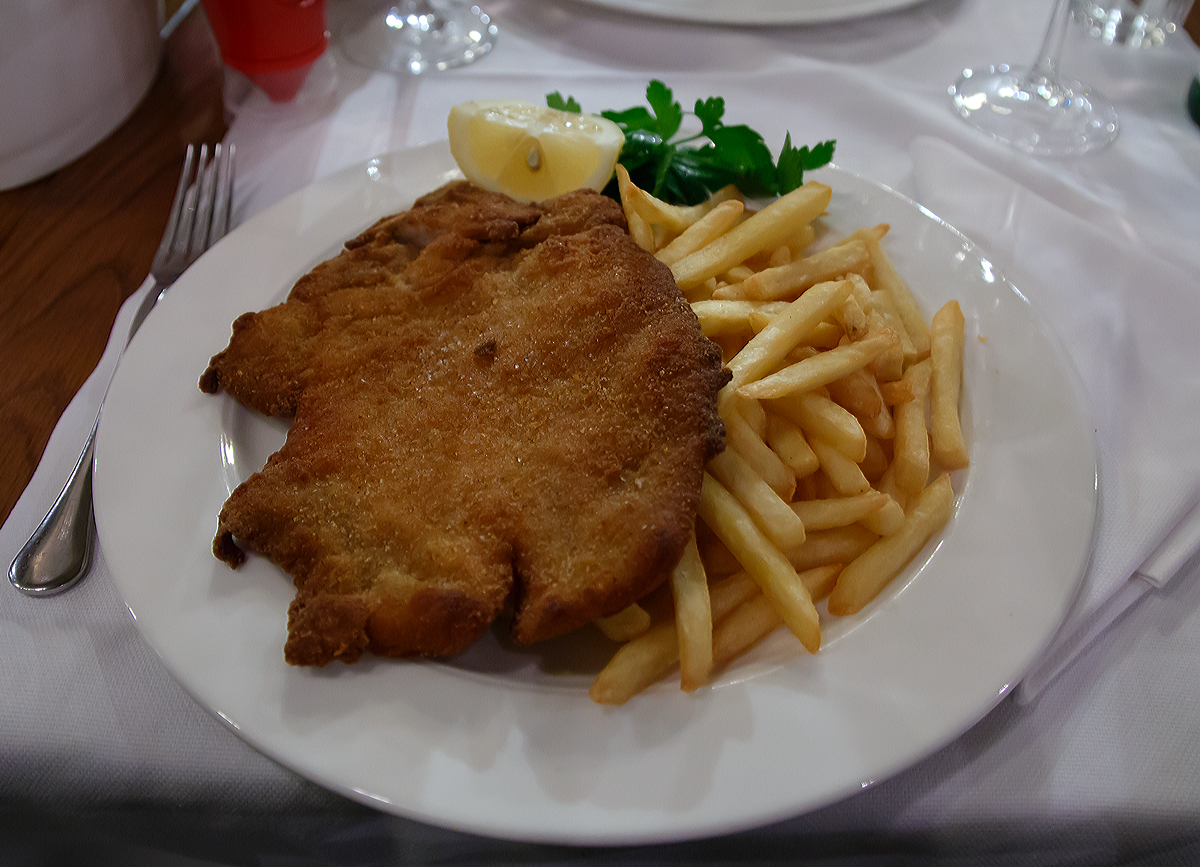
686	169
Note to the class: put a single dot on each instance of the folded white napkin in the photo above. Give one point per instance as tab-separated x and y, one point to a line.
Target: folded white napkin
89	714
1127	319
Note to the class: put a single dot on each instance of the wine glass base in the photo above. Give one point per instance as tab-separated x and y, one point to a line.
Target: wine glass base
421	37
1037	115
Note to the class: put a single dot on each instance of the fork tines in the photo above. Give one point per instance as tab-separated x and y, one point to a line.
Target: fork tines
200	213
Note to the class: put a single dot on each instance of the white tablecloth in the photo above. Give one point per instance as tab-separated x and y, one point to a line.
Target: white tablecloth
1104	759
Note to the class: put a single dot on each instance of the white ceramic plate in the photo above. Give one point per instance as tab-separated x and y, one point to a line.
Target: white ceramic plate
498	743
755	12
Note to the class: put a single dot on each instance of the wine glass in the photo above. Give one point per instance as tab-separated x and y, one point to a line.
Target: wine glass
416	36
1035	110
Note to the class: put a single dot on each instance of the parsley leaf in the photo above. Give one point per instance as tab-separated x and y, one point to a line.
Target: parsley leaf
794	161
668	113
710	111
555	100
687	168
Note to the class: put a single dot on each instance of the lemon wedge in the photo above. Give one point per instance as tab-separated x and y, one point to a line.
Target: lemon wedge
532	152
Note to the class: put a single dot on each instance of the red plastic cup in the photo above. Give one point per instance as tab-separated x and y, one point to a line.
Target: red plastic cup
274	42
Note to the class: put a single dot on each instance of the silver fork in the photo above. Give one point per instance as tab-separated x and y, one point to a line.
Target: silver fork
59	553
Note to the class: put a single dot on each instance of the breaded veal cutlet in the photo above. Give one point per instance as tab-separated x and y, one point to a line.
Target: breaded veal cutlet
491	402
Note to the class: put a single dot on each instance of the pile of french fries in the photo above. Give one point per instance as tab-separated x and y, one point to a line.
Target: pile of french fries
842	426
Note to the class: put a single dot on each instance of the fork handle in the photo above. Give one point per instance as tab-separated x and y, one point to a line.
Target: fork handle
139	316
59	553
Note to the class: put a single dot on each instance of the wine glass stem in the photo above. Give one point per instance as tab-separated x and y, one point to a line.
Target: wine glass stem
1046	65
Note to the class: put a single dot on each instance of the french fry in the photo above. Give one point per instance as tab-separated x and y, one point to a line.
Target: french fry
704	231
742	629
863	579
789	281
910	449
765	229
771	513
861	291
889	281
877	459
754	618
820	369
827	454
754	414
650	657
945	383
693	618
801	240
897	392
820	416
674	219
742	438
858	392
822	488
737	274
820	580
626	624
758	320
840	512
691	213
866	233
641	232
836	545
881	426
786	329
726	317
766	565
718	562
847	477
630	195
678	218
852	318
825	335
788	442
730	592
637	665
800	353
886	520
887	484
890	365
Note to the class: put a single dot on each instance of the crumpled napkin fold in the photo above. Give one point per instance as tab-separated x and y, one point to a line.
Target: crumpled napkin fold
1127	319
